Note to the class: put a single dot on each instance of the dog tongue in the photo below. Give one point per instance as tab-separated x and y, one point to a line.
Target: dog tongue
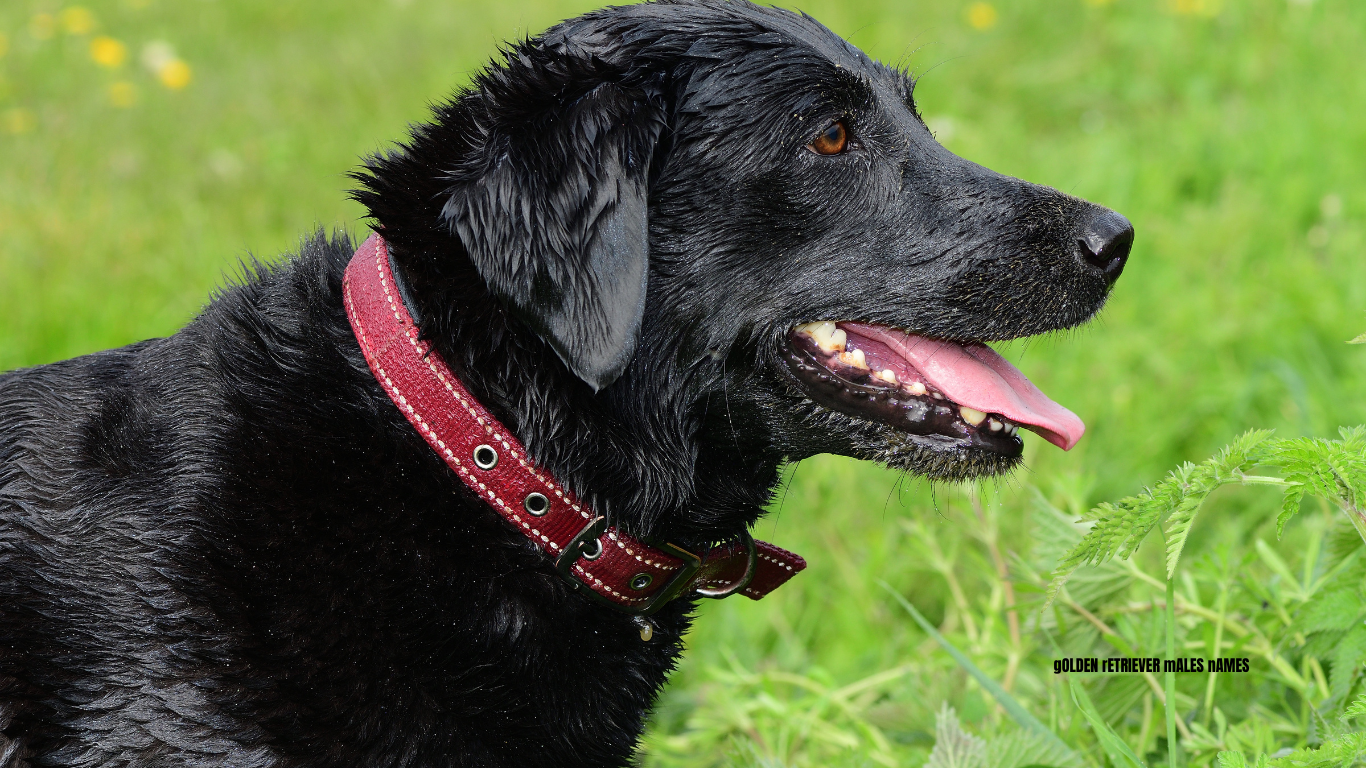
975	376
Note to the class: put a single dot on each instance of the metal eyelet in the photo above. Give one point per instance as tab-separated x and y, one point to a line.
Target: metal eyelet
641	581
485	457
536	504
596	550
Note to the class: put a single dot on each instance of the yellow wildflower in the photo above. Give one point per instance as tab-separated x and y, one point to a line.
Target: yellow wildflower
175	74
108	52
160	58
77	20
42	26
982	16
19	120
122	94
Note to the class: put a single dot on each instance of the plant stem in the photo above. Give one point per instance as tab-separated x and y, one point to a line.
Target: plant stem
1218	647
1264	480
1356	515
1170	705
1146	729
1161	695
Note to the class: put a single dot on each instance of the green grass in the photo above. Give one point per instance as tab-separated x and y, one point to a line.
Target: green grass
1233	137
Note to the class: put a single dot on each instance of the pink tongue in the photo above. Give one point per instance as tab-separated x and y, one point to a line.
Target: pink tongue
979	378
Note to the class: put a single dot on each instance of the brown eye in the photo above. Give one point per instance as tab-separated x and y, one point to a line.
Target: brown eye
832	140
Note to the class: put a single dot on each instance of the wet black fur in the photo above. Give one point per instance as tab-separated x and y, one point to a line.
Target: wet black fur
228	547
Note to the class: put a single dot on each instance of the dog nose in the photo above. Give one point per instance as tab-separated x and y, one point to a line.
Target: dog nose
1105	242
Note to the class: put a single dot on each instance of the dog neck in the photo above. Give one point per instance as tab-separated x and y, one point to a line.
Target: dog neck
625	572
665	459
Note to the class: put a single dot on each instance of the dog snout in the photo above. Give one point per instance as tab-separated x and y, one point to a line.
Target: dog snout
1104	243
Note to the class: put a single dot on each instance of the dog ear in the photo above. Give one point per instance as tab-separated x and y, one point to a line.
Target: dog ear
552	212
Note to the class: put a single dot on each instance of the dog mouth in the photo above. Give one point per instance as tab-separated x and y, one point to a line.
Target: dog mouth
965	395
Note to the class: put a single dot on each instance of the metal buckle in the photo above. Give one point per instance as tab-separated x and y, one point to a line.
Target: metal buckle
750	568
573	551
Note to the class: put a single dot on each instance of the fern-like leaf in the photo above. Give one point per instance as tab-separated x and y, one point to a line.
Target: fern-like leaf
1342	751
1356	710
1120	528
1333	469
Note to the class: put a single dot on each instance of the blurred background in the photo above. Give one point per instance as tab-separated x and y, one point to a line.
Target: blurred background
148	146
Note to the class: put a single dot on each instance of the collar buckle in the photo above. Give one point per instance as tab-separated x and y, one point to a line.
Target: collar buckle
751	563
586	538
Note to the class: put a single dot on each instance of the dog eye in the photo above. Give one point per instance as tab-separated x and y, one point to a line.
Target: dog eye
831	141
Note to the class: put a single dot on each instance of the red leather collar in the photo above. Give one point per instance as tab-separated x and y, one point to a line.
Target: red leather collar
603	563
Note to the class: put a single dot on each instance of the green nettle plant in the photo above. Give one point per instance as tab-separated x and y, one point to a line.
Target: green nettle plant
1328	621
1323	613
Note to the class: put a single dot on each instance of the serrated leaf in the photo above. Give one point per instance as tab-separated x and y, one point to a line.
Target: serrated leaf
953	746
1290	506
1321	644
1026	749
1336	610
1347	660
1359	340
1356	709
1179	526
1232	760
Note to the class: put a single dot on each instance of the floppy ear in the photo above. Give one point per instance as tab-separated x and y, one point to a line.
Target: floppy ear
553	214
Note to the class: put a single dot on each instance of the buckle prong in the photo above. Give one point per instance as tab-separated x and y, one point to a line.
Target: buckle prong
750	567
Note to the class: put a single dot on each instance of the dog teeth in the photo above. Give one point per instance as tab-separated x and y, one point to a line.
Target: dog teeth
936	396
855	359
916	388
827	337
1002	425
971	415
888	375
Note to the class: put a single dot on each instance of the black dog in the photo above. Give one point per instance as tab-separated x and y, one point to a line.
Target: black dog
630	240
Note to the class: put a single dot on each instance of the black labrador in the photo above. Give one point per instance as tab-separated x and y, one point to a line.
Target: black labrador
670	246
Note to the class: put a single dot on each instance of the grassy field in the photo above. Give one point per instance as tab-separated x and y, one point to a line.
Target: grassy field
146	146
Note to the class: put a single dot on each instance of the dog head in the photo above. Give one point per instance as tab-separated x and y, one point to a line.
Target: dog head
727	218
